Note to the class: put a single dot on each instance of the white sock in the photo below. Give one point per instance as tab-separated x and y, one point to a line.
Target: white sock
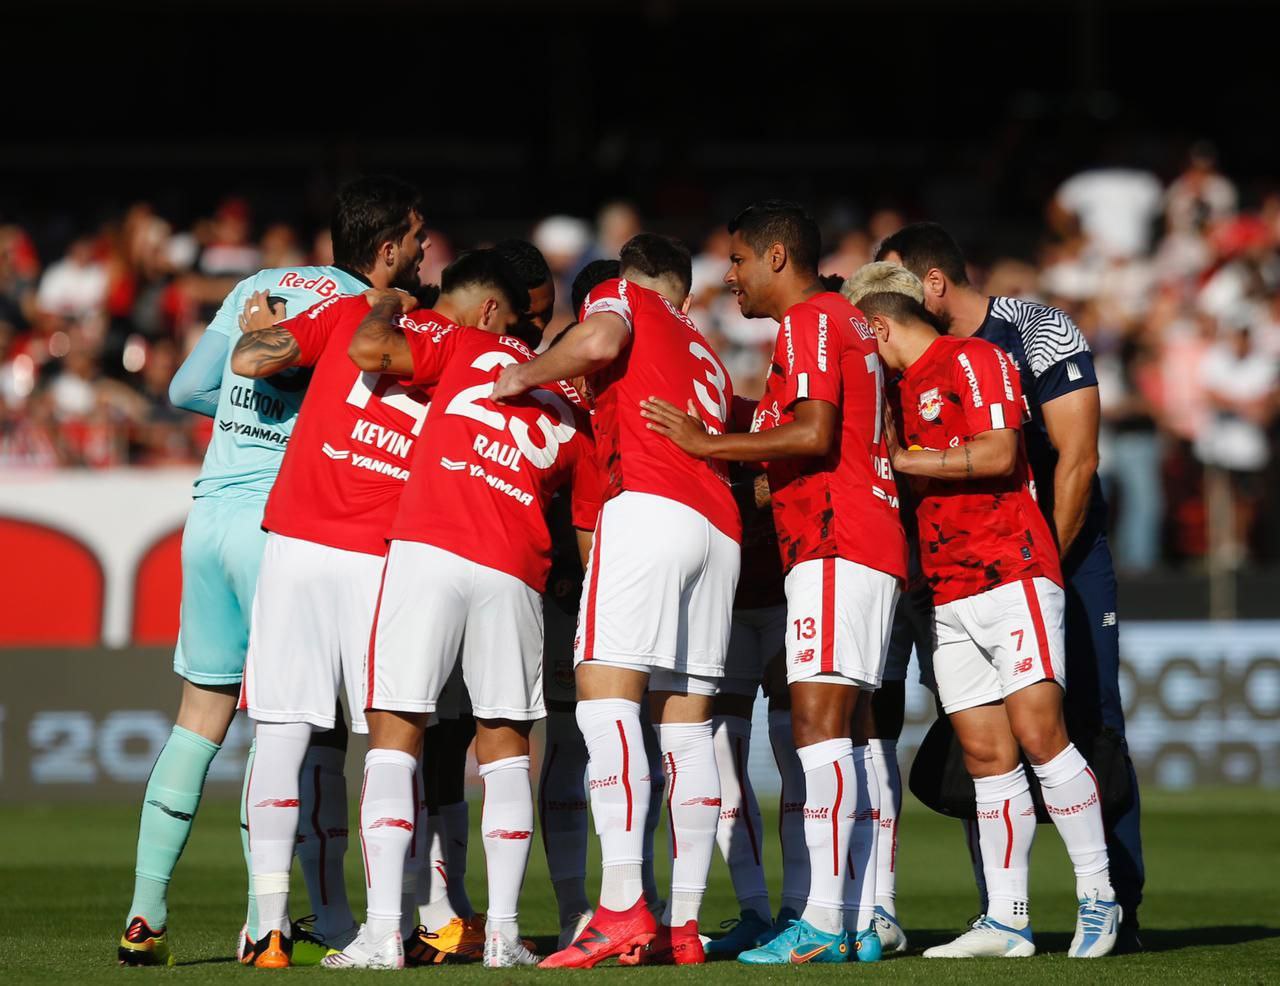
387	812
273	799
884	757
619	794
795	855
434	908
414	858
739	829
456	820
562	809
829	806
693	811
1074	803
860	889
323	831
974	845
1006	829
506	822
656	777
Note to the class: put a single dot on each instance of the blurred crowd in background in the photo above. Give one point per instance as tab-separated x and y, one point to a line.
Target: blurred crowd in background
1175	281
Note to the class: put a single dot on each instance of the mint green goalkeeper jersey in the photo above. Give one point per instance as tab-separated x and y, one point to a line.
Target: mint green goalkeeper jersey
255	417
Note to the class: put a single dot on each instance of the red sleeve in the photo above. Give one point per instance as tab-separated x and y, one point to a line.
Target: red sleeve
989	390
810	357
609	296
431	343
313	327
586	484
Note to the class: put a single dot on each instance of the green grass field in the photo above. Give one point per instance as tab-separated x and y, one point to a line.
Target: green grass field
1212	913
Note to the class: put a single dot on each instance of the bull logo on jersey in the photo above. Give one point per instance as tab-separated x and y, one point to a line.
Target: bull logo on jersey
930	405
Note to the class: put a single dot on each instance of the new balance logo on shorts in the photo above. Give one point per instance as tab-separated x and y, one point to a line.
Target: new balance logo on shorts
804	656
1023	666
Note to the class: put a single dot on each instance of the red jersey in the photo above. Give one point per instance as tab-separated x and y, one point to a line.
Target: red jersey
667	357
348	457
845	504
484	473
974	534
760	583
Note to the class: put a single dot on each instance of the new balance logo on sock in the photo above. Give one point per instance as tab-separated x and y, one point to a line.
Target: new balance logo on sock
278	803
507	834
400	823
181	816
708	802
865	815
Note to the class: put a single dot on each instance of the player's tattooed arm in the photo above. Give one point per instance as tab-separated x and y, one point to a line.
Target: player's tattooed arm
262	353
985	456
379	345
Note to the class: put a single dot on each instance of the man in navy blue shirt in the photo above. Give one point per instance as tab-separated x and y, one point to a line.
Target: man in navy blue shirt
1061	390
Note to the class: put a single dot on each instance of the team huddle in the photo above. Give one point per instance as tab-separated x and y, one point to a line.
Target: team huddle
455	529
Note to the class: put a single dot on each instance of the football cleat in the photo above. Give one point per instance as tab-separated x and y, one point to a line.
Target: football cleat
420	949
576	926
274	950
866	946
987	938
364	953
744	933
892	937
610	933
142	945
458	941
501	952
799	944
780	924
310	948
670	946
1097	927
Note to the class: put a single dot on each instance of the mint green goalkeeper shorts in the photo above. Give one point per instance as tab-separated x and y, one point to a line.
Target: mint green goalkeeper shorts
221	551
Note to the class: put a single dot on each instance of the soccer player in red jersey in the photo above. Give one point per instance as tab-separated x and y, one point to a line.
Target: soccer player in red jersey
659	589
327	519
992	566
468	559
818	427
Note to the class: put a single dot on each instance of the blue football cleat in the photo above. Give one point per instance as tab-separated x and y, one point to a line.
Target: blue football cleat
744	934
780	924
799	944
866	948
1097	927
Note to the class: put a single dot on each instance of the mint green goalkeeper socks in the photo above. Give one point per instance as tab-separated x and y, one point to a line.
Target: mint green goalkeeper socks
168	809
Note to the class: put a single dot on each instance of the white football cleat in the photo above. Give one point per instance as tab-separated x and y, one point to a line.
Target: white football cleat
987	939
892	937
501	952
387	953
1097	927
576	926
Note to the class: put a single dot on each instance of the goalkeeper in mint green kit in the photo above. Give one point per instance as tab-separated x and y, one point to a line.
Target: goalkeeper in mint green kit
221	550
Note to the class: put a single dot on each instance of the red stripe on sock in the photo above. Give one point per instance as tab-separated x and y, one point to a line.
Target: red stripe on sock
626	768
373	635
589	630
1037	623
893	847
320	836
835	821
828	615
1008	832
671	818
746	812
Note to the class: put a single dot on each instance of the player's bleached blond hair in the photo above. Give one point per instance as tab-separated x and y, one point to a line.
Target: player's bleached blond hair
882	277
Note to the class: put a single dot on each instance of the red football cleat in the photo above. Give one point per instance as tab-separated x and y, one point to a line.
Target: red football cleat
671	946
610	933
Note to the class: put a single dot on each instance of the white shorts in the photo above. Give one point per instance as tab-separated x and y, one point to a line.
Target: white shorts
310	632
437	607
991	645
658	590
756	636
839	614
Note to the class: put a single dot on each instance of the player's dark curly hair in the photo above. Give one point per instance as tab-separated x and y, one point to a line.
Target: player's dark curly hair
527	261
923	246
778	221
591	276
487	268
655	255
367	213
